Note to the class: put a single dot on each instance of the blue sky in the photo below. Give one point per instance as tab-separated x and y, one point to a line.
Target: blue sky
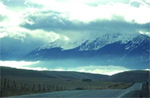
29	24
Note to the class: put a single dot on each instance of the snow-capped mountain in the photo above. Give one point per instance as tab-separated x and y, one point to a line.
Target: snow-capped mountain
137	46
135	42
50	45
129	52
89	44
105	40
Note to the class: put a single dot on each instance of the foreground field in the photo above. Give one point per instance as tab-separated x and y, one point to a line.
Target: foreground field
12	86
106	93
20	82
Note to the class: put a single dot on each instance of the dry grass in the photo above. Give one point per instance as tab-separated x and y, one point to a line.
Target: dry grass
18	86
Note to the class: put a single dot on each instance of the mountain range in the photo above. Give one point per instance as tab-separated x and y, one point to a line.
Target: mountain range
106	50
109	49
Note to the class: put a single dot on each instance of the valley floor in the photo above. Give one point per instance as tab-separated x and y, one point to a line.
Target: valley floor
12	86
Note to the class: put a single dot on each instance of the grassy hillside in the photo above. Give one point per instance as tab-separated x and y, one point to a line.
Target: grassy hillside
19	82
6	71
130	76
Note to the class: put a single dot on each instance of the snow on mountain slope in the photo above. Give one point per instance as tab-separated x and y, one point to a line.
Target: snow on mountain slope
87	45
64	45
50	45
106	45
135	42
105	40
129	52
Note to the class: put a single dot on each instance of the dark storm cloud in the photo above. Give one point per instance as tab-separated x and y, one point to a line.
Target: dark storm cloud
55	22
51	23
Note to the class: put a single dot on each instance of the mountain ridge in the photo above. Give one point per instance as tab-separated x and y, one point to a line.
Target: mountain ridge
116	48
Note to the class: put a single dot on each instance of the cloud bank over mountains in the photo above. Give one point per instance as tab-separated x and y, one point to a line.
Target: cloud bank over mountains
32	23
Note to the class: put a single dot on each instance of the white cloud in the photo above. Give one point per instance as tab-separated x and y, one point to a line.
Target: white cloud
3	9
147	1
81	11
21	33
13	32
16	64
146	33
74	11
44	35
78	11
3	34
22	65
11	26
14	18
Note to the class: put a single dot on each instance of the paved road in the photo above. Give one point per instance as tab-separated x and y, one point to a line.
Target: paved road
114	93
